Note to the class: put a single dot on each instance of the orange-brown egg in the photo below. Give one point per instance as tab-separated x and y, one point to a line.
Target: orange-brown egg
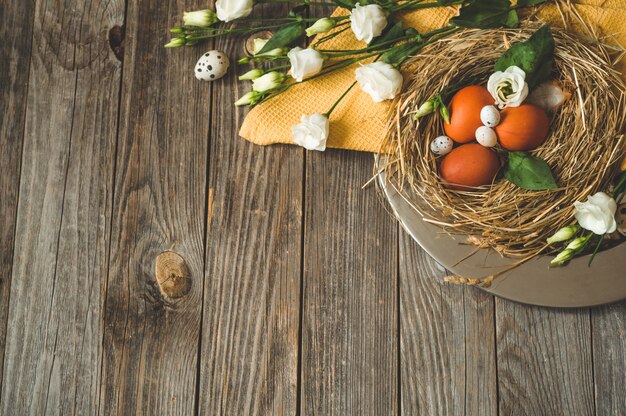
465	109
523	128
469	165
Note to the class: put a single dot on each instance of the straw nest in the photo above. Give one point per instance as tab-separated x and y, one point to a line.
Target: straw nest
585	145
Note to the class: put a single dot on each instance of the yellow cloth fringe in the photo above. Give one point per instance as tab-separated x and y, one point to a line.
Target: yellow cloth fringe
358	123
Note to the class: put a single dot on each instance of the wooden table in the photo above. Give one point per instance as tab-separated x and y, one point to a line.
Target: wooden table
306	297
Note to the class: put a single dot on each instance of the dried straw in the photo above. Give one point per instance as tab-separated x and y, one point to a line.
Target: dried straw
585	146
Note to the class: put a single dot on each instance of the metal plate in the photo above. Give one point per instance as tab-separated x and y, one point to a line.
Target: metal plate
534	282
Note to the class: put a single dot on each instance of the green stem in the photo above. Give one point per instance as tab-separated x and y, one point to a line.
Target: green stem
595	251
331	35
417	5
327	114
309	3
336	53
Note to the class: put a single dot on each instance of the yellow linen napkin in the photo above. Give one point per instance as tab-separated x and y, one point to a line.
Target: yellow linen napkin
358	123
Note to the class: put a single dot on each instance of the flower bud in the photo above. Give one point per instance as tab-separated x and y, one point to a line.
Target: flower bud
268	82
244	60
445	114
562	258
273	53
251	75
176	30
258	45
564	234
200	18
578	243
175	43
321	26
250	98
425	109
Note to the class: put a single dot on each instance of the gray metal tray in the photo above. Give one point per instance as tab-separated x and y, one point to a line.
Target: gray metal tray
534	282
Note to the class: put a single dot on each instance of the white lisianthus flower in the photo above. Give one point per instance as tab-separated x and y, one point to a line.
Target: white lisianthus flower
268	81
380	80
200	18
367	22
312	132
597	214
508	88
228	10
305	62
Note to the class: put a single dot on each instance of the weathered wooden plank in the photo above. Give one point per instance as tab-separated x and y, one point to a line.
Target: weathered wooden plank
151	342
608	324
249	357
54	335
447	342
349	327
544	360
15	56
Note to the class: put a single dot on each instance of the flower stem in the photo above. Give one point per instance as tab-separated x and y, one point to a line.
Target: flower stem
327	114
338	53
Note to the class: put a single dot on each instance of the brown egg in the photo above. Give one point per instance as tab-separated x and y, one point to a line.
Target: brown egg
523	128
465	109
469	165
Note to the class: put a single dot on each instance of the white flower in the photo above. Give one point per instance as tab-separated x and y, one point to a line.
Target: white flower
312	132
268	81
380	80
323	25
508	88
597	214
201	18
305	62
367	22
228	10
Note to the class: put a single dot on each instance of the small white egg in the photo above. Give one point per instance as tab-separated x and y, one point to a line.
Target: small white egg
490	116
441	145
211	66
486	136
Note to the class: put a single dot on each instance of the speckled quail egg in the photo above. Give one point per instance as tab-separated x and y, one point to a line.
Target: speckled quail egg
211	66
486	136
441	145
490	116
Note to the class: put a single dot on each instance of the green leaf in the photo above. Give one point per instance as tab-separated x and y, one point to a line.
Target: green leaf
298	10
396	55
485	14
391	33
446	2
287	35
535	57
346	4
529	172
512	19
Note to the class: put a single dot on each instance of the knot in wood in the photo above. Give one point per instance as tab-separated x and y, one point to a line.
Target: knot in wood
172	274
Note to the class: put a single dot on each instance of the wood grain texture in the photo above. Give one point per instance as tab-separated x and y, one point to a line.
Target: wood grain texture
52	359
15	58
150	342
544	360
349	325
249	356
608	325
448	362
